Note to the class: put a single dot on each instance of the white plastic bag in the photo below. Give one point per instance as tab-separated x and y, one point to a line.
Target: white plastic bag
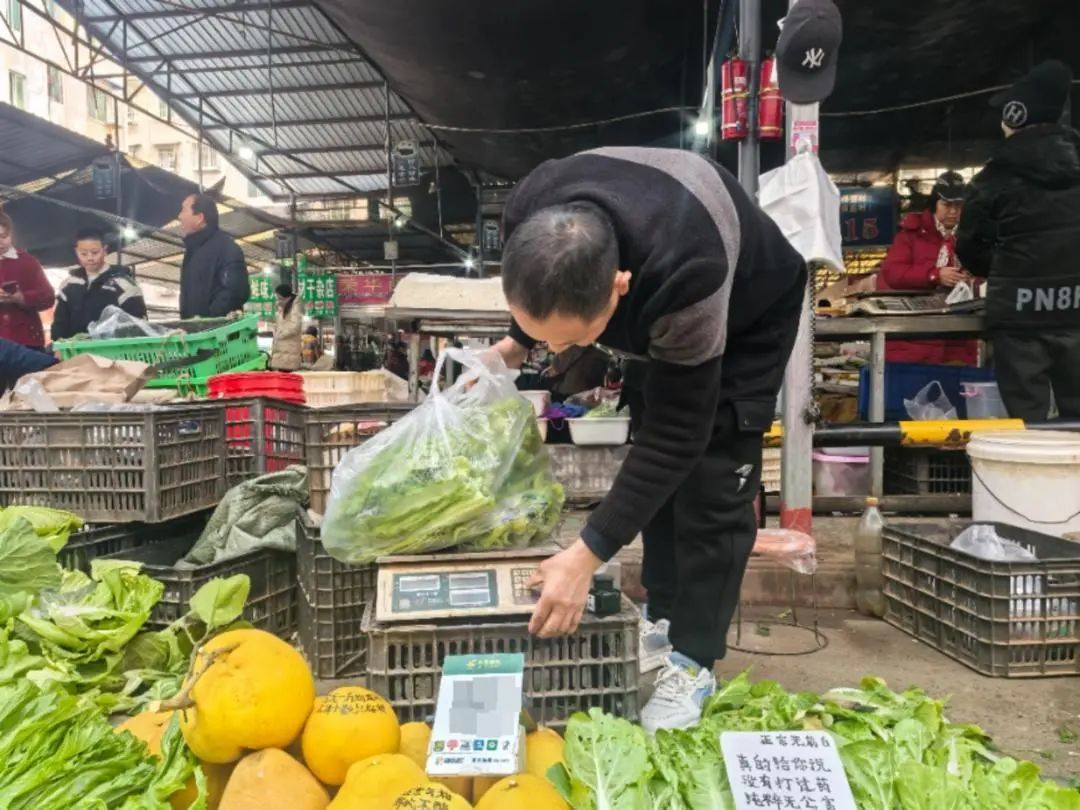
115	322
960	294
930	404
466	468
804	202
983	541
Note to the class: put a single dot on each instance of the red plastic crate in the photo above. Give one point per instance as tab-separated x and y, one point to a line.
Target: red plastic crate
262	435
283	385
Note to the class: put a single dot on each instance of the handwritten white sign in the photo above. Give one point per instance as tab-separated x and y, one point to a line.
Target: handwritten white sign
795	770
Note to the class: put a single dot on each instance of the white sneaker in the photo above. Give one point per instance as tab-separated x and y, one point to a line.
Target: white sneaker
681	689
653	644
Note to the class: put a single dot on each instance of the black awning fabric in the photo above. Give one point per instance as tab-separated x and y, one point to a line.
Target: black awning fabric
496	65
46	222
492	65
33	148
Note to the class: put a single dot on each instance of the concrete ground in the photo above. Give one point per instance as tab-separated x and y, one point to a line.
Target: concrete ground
1029	718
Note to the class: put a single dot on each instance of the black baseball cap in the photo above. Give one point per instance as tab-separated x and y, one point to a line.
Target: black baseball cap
949	187
806	53
1037	98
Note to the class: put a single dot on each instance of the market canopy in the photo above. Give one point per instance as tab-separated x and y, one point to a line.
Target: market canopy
273	85
485	79
35	148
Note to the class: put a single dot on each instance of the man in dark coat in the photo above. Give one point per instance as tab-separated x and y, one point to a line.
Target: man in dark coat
658	254
91	287
213	276
1021	230
17	360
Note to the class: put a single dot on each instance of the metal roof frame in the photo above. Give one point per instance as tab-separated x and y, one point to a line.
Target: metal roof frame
245	74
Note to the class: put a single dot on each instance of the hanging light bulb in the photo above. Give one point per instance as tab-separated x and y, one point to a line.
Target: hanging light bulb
702	127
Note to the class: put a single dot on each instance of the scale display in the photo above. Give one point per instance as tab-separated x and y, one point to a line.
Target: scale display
451	586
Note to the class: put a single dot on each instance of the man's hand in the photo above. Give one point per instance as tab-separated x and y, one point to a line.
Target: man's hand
513	353
951	276
565	580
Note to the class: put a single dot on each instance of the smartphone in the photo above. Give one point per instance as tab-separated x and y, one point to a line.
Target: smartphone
10	287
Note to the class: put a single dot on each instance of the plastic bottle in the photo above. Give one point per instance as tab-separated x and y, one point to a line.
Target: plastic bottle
869	598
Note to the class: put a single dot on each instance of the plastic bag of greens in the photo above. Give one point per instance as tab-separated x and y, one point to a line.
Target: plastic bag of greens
466	468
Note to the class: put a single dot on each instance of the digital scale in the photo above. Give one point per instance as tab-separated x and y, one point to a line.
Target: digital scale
454	586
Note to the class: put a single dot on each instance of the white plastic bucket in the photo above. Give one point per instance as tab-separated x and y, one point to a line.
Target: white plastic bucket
539	399
836	476
542	426
984	401
1027	478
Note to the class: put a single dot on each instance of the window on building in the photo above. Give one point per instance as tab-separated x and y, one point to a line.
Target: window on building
205	153
56	84
98	104
14	15
134	149
162	109
167	158
17	90
254	190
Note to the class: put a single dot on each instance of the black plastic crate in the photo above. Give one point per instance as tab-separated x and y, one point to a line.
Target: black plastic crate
91	542
271	603
1003	619
115	467
597	665
333	432
332	598
261	436
926	471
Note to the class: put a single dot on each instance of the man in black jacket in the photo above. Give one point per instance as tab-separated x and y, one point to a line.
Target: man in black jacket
658	254
1021	230
213	276
91	287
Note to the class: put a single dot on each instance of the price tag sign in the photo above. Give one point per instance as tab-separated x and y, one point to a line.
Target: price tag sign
796	769
477	729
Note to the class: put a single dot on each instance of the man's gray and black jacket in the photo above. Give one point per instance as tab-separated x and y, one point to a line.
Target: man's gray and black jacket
213	276
80	302
1021	229
706	264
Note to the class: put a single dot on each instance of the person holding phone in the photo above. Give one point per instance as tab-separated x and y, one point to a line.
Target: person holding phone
24	291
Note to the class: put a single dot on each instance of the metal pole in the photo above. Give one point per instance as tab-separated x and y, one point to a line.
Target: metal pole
119	183
750	53
796	462
390	220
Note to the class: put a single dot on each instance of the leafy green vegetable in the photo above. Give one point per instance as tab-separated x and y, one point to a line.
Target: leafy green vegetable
26	566
608	760
469	474
59	752
54	526
898	751
220	602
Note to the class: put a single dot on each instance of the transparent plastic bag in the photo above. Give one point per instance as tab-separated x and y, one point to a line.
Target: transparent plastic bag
115	322
789	548
466	468
930	404
983	541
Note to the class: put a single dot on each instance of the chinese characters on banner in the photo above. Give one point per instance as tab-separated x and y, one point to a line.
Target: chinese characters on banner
364	290
797	770
318	291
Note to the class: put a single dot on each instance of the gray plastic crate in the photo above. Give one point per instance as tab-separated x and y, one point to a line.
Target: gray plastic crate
262	435
595	666
271	603
115	467
332	599
333	432
1003	619
586	473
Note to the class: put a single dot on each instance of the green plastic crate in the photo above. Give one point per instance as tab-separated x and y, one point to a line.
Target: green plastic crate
200	386
208	347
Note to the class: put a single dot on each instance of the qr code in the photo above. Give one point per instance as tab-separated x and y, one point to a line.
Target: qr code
474	708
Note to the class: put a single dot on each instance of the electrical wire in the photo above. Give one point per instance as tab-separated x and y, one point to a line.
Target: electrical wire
561	127
916	104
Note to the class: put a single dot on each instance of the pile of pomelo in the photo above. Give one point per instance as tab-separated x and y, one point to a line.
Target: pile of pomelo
267	741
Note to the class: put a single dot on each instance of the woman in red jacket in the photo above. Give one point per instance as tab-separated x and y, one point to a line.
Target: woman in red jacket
923	257
24	291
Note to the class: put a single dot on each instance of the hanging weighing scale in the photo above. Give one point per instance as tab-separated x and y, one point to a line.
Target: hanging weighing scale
455	586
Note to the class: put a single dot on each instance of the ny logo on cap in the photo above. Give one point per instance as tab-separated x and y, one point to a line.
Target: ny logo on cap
1015	114
813	58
